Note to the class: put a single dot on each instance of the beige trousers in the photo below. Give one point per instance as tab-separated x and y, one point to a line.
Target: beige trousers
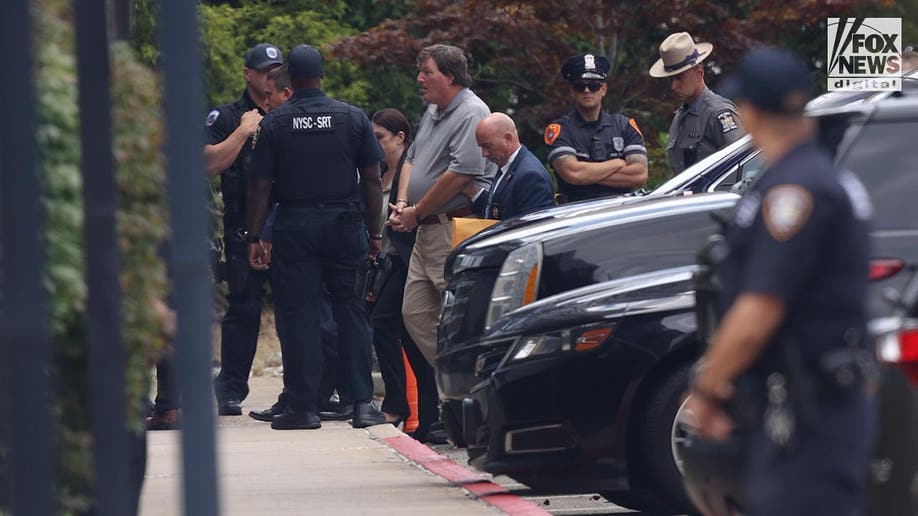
425	285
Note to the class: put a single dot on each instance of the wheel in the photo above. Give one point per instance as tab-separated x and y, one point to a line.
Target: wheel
660	436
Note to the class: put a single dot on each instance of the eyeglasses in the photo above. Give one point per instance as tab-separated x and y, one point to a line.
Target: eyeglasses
580	87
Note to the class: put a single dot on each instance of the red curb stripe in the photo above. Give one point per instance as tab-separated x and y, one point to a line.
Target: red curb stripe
474	483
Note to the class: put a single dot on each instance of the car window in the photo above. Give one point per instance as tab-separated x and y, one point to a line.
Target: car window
883	156
740	176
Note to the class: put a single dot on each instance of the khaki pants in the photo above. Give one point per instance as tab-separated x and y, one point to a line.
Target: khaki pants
425	286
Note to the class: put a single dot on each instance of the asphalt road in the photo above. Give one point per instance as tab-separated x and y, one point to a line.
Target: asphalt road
560	504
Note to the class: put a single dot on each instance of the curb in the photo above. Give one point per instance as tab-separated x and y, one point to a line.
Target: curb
476	484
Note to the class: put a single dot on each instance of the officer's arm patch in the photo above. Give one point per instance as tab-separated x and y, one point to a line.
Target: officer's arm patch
634	126
727	122
551	133
785	210
212	117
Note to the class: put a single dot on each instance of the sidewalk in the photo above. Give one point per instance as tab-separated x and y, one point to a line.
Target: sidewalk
334	470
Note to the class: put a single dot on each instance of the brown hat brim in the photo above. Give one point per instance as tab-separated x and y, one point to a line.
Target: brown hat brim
659	69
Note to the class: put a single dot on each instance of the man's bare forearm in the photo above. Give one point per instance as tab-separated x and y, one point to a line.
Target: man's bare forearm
258	196
445	188
746	329
632	175
371	188
221	156
578	172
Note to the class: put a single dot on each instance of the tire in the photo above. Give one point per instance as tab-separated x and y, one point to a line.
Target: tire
657	439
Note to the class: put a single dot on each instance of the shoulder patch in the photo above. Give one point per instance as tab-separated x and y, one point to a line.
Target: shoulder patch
551	133
634	125
212	117
727	121
785	210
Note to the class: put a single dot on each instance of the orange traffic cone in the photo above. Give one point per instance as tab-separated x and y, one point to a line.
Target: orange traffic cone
411	392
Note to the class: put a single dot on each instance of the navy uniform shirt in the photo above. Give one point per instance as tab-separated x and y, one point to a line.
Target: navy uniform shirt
800	233
311	147
220	123
610	137
699	129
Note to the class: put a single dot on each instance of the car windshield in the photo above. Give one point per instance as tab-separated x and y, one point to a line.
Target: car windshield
681	180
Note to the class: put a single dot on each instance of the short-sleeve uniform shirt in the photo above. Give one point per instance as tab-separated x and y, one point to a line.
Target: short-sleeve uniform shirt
800	233
312	147
612	136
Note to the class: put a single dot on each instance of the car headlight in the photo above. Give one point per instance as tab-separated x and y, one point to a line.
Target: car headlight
517	284
582	338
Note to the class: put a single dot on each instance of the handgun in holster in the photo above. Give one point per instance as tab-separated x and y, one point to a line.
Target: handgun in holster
377	273
690	155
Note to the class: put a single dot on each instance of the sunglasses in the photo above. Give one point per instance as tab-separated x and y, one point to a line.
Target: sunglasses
580	87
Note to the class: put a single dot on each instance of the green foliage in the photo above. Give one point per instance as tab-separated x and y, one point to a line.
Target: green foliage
141	224
228	32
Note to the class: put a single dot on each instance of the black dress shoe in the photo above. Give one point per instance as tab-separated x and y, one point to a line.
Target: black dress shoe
366	414
267	415
290	420
230	407
341	413
432	436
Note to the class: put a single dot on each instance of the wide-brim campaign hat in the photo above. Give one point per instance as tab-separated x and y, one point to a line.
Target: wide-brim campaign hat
678	53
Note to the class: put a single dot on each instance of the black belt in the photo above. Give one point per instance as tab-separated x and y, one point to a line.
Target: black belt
320	204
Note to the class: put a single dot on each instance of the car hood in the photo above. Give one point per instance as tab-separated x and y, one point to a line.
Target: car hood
656	291
590	215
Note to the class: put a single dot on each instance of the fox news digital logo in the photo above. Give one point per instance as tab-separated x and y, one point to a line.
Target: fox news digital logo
864	54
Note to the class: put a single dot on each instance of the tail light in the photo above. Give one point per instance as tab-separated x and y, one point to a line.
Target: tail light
901	348
882	268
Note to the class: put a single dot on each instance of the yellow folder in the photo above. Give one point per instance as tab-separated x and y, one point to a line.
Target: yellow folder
465	227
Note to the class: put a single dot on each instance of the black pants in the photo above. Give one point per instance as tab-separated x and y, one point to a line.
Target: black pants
333	373
239	335
168	397
389	337
313	245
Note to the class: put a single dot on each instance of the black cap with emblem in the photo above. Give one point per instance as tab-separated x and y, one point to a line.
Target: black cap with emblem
771	79
585	66
262	56
304	62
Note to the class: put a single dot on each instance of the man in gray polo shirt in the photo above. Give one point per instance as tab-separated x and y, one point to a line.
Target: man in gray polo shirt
443	160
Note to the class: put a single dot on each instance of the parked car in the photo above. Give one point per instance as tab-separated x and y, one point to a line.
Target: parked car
574	389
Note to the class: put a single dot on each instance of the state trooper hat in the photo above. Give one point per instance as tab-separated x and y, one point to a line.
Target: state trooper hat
585	66
262	56
304	62
678	53
771	79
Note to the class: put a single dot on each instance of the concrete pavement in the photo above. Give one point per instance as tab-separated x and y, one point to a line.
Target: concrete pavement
334	470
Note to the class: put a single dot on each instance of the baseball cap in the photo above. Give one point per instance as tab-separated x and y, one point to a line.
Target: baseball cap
585	66
771	79
262	56
304	62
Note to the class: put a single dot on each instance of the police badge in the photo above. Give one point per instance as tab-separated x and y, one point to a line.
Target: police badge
619	143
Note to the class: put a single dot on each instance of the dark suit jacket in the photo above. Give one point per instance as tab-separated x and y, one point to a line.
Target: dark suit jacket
526	188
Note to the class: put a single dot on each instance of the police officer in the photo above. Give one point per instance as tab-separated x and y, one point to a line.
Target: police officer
229	130
705	121
792	313
309	151
594	153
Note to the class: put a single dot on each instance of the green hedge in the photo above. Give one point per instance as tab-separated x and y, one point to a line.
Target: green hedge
141	226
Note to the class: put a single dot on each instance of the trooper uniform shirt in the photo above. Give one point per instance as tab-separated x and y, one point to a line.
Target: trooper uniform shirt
610	137
699	129
312	146
801	233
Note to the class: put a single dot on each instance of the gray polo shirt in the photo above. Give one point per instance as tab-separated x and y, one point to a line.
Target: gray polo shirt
446	141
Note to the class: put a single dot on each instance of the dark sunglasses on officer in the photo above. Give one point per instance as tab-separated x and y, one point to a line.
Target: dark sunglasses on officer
580	87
